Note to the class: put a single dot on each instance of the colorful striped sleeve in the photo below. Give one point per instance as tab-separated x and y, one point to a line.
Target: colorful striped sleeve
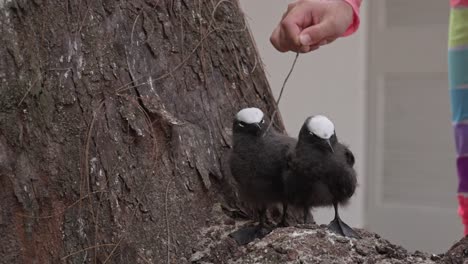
458	61
458	3
458	83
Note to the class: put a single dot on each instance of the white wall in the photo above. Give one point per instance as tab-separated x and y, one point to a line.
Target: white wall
330	81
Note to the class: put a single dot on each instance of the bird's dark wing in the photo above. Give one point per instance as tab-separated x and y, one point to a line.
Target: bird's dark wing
343	153
341	179
349	156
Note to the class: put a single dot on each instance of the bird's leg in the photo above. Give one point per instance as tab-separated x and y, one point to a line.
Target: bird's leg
284	216
339	227
262	215
337	216
245	235
306	214
262	228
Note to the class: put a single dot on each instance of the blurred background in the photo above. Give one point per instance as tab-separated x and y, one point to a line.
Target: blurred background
386	90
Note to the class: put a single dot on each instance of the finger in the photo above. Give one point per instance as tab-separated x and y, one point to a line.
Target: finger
323	42
312	48
286	36
291	6
326	41
286	42
317	33
290	30
275	40
330	40
306	49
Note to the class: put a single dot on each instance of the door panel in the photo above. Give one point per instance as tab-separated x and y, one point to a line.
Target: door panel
411	173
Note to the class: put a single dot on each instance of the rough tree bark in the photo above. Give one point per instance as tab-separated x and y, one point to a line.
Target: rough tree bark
114	120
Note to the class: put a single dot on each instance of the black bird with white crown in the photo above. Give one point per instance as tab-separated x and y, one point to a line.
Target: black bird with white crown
257	163
320	171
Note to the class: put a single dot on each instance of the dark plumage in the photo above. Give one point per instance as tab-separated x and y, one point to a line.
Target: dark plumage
320	171
258	160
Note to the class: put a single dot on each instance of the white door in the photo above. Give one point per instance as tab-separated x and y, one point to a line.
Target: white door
411	171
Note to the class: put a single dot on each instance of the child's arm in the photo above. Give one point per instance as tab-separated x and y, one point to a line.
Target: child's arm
309	24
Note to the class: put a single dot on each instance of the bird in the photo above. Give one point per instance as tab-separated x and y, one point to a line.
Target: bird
257	162
320	172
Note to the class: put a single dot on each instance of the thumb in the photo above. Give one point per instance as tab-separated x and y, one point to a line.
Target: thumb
316	33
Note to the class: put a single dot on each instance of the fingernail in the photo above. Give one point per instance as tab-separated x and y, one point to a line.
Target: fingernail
304	39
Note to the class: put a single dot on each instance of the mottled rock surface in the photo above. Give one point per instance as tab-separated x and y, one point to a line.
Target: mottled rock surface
457	254
312	244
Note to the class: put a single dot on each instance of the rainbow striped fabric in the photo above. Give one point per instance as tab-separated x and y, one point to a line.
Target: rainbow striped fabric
458	84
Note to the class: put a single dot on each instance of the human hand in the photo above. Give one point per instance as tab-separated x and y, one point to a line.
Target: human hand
309	24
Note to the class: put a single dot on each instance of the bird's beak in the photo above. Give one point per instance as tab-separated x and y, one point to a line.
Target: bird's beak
258	125
329	144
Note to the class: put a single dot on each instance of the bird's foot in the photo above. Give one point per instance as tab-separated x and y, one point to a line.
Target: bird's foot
262	231
341	228
269	223
283	223
245	235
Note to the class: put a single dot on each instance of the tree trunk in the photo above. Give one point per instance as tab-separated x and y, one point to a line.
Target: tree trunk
115	118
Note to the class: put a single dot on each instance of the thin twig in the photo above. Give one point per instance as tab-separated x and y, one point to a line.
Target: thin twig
84	19
84	172
167	222
281	94
62	211
85	249
84	180
132	76
143	258
37	79
255	65
225	29
133	28
29	90
124	88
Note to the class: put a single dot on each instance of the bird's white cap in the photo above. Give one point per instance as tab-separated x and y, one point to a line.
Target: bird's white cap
321	126
250	115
